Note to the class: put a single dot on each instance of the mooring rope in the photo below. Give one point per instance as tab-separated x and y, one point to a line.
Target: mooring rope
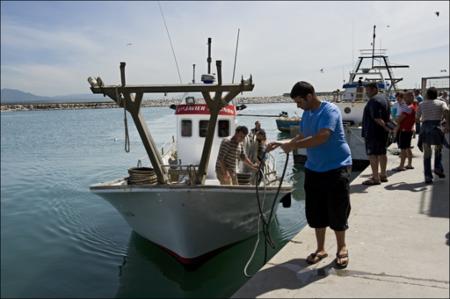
127	136
266	223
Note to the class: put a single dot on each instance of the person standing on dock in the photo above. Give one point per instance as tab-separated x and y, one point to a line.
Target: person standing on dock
230	150
405	125
419	99
327	169
431	112
375	132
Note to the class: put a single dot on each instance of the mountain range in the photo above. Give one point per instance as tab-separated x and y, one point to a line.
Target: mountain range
15	96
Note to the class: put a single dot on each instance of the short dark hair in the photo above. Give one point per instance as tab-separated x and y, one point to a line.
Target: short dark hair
432	93
242	129
261	132
372	85
302	89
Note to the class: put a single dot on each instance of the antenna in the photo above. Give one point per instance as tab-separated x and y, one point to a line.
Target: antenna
373	44
235	55
209	56
193	73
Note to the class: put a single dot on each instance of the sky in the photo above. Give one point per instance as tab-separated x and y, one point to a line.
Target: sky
50	48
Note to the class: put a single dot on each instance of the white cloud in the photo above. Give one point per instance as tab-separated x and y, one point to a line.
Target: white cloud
280	43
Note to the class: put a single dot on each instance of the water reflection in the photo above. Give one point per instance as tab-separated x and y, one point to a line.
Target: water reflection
149	271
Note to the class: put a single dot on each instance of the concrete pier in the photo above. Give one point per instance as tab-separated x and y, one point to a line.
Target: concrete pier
398	244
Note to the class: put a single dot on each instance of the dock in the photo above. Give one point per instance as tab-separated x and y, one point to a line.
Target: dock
398	242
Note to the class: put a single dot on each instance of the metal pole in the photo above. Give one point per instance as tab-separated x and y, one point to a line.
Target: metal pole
122	73
373	44
193	73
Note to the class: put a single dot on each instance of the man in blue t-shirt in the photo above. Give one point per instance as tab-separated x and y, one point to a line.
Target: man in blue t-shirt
327	169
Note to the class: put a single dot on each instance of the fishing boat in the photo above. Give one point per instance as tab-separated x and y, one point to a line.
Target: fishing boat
181	206
372	66
284	122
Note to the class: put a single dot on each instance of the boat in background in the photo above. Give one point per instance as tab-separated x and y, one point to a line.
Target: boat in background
373	66
284	122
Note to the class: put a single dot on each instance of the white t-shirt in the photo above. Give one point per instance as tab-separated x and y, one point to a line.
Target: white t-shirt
432	110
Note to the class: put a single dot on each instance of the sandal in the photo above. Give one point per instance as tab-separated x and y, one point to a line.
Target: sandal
315	257
371	182
383	178
344	260
398	169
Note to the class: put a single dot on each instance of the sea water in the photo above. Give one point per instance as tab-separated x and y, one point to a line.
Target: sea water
60	240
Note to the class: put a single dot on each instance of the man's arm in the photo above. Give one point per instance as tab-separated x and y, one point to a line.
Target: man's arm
310	141
273	145
381	123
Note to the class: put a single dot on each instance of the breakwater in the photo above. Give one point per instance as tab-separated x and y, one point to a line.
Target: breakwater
145	103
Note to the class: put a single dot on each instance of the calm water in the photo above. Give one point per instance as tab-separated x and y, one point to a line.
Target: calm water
60	240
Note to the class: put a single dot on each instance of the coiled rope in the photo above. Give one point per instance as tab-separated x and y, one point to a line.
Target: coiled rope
142	175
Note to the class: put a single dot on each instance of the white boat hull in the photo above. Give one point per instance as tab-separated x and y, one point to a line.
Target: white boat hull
189	221
351	111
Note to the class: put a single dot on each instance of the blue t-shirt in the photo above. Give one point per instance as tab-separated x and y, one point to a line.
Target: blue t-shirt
335	152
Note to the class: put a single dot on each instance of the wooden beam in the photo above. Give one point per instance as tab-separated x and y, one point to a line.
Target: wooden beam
110	89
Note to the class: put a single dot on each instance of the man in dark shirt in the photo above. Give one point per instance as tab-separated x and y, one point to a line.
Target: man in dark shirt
375	132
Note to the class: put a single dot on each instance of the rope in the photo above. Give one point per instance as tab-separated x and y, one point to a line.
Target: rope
127	136
142	175
170	40
266	223
356	136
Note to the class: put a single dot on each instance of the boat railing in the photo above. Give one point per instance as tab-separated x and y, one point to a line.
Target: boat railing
168	147
182	174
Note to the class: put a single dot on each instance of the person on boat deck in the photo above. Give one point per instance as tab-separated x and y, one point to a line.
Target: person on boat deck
327	169
230	150
261	144
431	112
404	131
375	132
255	129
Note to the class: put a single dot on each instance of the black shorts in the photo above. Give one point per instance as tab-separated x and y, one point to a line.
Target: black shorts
404	139
327	198
376	146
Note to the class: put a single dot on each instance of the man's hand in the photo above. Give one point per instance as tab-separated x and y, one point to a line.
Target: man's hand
286	147
273	145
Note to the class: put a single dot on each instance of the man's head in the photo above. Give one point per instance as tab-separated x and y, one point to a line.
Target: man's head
444	94
371	89
257	125
416	92
431	93
399	96
304	95
409	97
261	135
240	133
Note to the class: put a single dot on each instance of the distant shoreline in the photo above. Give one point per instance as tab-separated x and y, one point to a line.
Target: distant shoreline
145	103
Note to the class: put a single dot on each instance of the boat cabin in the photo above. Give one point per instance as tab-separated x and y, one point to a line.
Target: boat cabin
191	130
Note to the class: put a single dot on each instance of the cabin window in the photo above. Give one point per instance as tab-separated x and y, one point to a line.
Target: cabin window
186	128
203	128
224	128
